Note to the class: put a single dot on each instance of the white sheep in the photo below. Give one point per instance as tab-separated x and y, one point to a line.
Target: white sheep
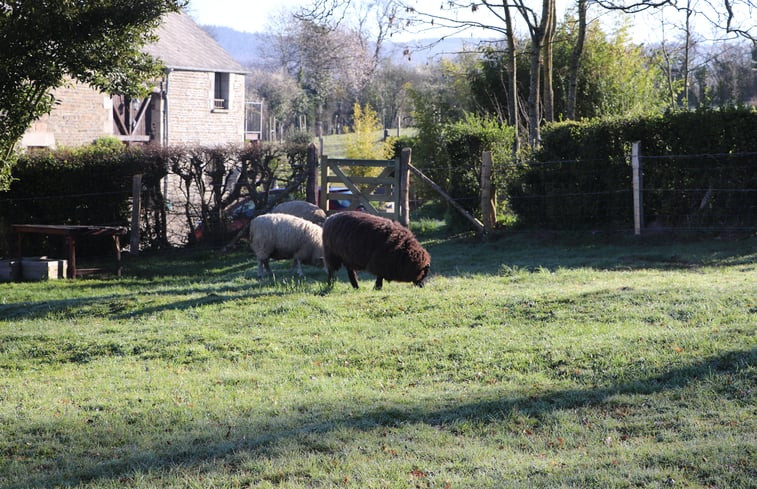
282	236
300	208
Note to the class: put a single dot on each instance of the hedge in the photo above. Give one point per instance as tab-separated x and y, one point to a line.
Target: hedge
93	185
700	169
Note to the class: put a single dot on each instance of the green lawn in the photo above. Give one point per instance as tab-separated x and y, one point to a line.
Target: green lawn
524	362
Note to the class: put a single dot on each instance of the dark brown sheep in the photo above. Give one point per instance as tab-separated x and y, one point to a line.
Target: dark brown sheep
362	241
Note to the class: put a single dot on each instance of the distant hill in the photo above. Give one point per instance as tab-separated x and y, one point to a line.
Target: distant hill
246	47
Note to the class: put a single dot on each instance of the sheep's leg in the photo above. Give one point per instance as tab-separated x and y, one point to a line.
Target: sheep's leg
299	267
379	283
353	277
263	264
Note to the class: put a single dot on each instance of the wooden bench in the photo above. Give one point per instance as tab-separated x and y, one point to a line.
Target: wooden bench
72	233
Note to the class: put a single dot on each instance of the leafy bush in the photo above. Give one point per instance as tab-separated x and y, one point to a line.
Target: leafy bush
362	143
450	154
93	185
698	167
87	185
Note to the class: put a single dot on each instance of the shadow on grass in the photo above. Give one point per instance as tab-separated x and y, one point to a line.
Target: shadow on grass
208	276
467	254
188	451
130	305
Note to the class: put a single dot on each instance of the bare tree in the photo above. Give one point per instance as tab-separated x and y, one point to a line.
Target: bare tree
512	80
343	46
370	23
458	16
542	32
575	60
550	28
732	17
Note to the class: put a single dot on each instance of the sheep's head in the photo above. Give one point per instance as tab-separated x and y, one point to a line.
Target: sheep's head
419	281
316	258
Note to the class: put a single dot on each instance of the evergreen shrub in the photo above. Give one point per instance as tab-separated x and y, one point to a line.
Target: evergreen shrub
698	169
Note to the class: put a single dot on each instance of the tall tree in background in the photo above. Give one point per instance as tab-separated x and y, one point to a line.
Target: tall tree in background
388	91
45	42
615	76
730	17
575	60
512	80
286	103
547	61
457	16
541	31
333	48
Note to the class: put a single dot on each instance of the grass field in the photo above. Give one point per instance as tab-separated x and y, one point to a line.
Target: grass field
334	145
524	362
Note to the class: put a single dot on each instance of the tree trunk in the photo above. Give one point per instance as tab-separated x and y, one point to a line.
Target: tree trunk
534	102
575	61
550	26
687	48
538	34
512	81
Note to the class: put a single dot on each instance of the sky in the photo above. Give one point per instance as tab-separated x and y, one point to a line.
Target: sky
241	15
255	16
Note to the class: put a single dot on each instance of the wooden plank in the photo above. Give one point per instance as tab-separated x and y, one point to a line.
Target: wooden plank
488	214
375	181
136	207
371	197
120	123
134	138
379	163
323	200
354	189
637	184
138	124
402	199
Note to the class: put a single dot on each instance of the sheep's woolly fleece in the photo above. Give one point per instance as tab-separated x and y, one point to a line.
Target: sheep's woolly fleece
282	236
362	241
302	209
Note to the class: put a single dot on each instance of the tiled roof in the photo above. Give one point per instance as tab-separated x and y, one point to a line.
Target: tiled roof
183	45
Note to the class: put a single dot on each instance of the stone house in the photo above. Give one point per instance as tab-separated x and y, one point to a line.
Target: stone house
199	100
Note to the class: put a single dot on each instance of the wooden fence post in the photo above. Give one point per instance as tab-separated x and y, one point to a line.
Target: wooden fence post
488	213
136	209
404	179
323	201
638	207
310	194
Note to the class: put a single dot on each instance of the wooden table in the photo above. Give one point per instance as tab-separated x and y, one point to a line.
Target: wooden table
72	234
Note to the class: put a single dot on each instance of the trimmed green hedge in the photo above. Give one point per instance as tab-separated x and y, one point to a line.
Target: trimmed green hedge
450	155
700	169
93	185
87	185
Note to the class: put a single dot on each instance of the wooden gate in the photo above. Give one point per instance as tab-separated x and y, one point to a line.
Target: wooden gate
384	195
131	119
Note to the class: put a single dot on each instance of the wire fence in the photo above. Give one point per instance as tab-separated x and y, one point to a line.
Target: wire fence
696	192
701	192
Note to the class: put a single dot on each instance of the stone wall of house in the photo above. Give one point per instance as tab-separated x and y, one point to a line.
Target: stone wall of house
191	116
81	115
